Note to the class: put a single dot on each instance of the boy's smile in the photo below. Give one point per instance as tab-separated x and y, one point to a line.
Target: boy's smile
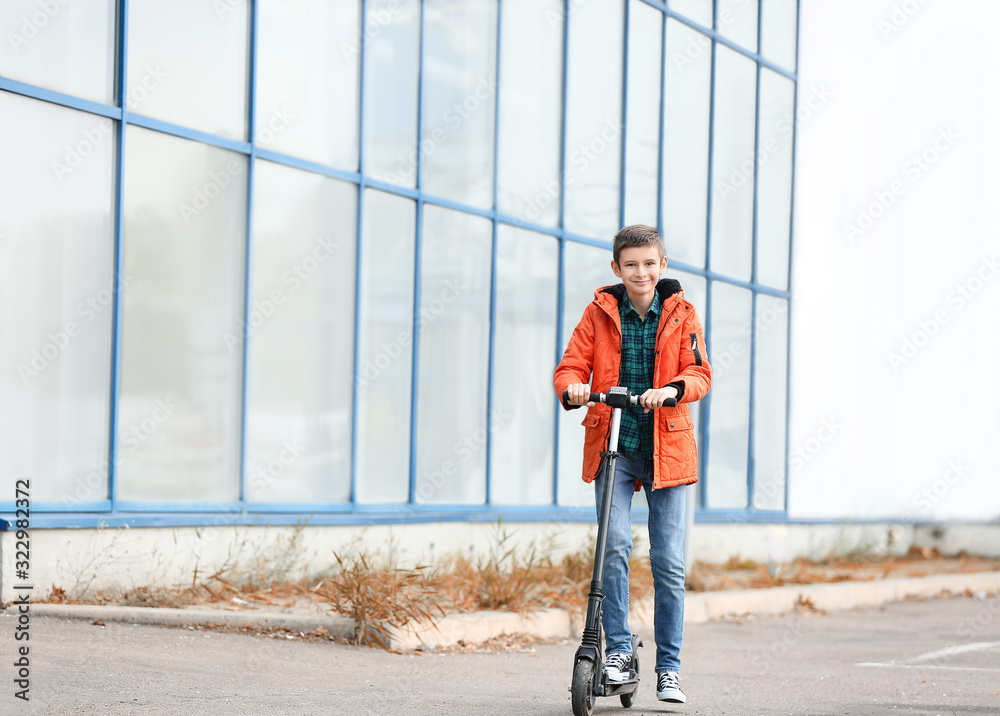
640	268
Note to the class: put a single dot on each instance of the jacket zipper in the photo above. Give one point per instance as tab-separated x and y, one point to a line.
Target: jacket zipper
694	349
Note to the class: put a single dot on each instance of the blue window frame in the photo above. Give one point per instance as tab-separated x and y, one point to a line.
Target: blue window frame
764	298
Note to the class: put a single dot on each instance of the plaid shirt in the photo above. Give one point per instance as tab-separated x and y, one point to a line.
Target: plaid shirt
638	361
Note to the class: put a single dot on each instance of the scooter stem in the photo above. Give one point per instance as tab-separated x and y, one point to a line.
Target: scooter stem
605	516
591	627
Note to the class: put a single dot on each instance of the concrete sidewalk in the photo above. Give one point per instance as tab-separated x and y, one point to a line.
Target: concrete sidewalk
477	627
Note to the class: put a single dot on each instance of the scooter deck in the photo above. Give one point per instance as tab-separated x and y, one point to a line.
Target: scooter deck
615	688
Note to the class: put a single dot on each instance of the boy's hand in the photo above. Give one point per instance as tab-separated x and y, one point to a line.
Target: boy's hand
655	397
579	394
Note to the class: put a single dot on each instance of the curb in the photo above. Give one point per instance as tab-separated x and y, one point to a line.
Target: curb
476	627
703	607
337	626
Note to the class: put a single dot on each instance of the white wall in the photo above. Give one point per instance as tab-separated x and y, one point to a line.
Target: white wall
902	75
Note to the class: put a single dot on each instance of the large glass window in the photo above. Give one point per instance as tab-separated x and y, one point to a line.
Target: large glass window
187	63
770	395
308	79
737	20
182	316
300	337
385	353
524	358
64	46
452	425
778	29
459	99
733	164
729	412
587	268
699	11
530	128
392	53
694	291
260	357
774	178
56	299
593	118
642	150
687	105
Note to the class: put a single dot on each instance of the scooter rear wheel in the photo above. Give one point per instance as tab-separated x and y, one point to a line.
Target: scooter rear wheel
583	688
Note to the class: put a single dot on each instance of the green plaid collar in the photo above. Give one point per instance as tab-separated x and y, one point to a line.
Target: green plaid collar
627	306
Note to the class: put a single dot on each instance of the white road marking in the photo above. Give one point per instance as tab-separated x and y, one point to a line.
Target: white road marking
941	654
930	666
951	650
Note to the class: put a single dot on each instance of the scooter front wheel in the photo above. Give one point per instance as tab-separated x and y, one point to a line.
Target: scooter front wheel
583	688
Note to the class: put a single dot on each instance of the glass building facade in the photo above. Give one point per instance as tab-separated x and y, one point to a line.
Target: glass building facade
269	260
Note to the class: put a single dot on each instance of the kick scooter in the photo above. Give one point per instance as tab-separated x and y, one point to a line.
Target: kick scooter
589	679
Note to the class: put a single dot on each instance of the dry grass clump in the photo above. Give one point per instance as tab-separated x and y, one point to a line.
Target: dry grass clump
509	576
380	596
520	578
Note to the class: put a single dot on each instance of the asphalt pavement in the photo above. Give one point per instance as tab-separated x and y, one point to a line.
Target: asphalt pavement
939	656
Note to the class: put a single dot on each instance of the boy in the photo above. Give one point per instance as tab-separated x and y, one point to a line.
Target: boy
641	333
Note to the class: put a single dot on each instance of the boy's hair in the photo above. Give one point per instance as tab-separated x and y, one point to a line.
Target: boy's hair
637	235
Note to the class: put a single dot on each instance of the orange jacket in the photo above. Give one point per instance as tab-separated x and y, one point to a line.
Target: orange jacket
594	350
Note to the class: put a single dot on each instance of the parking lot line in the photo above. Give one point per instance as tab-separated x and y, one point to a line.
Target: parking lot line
939	654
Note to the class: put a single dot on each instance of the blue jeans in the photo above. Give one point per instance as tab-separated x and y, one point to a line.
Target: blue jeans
666	556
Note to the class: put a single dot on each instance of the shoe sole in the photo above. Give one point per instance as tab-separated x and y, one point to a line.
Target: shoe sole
674	697
616	675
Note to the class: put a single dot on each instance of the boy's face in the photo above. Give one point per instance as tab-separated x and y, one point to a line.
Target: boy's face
639	268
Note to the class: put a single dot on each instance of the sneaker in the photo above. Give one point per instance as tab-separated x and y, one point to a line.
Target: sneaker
616	666
668	688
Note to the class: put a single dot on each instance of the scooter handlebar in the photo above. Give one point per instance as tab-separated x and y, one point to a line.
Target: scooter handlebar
619	398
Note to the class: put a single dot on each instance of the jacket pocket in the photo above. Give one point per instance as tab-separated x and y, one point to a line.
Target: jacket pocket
594	442
674	423
678	449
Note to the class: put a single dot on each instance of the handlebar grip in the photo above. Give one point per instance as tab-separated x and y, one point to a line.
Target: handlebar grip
668	403
594	397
